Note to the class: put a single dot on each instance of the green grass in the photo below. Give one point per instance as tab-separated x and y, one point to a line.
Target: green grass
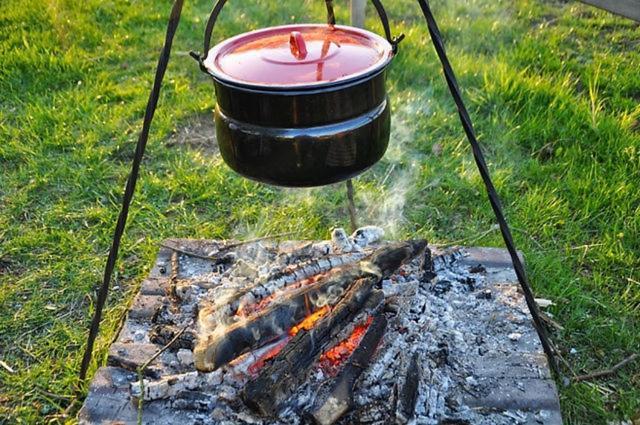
554	90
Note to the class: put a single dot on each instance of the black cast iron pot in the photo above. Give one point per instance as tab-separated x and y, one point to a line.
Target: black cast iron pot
301	105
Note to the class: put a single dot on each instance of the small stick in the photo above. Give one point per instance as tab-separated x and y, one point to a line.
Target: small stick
147	363
183	252
607	372
224	248
250	241
175	269
7	367
352	206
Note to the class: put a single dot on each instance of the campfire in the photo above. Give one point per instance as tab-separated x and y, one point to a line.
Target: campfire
307	319
350	330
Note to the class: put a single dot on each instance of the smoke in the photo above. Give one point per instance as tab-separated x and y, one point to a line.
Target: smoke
385	201
381	193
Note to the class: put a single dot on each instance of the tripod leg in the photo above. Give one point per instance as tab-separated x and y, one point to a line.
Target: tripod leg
494	199
152	103
352	205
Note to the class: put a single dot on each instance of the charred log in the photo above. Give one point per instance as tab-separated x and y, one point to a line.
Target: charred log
385	260
171	385
289	368
225	343
408	392
389	259
340	399
283	278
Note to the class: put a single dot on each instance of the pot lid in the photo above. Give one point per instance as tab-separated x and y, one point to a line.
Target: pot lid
298	56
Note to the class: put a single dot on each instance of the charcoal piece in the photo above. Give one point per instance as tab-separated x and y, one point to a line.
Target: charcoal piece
485	294
441	355
376	412
408	393
193	400
441	287
163	334
290	367
340	399
454	421
469	282
478	268
428	269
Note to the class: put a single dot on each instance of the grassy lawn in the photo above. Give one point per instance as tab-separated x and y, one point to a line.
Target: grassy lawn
554	88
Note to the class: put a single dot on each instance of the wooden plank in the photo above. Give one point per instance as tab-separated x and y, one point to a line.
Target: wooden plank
627	8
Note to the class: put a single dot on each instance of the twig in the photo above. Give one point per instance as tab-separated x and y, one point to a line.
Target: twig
224	248
7	367
173	279
607	372
188	253
146	364
386	176
43	325
472	238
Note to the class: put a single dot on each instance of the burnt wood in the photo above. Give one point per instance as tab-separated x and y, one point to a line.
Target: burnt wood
340	399
288	276
408	392
224	344
389	259
290	367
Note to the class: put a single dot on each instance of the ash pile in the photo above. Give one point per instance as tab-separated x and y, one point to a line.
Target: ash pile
349	330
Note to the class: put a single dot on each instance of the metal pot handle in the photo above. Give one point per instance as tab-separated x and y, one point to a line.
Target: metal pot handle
331	19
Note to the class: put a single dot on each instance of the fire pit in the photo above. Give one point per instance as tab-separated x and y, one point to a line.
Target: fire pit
350	330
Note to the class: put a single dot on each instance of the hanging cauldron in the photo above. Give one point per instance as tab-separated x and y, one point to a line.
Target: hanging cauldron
301	105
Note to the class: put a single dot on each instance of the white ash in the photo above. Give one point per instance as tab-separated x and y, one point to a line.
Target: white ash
432	318
367	235
341	241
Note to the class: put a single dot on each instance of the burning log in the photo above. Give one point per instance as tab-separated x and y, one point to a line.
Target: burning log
225	343
340	399
289	368
282	279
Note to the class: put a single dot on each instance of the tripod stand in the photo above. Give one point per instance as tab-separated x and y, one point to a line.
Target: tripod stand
467	126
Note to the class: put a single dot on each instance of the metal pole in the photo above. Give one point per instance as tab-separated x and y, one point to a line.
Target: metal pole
152	103
358	12
358	8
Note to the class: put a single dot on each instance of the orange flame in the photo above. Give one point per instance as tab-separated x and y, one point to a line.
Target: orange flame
330	360
307	323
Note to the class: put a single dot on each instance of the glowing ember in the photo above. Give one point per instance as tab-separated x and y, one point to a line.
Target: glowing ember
334	357
309	321
259	364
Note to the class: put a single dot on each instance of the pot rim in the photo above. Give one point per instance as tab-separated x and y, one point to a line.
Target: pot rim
298	90
356	77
